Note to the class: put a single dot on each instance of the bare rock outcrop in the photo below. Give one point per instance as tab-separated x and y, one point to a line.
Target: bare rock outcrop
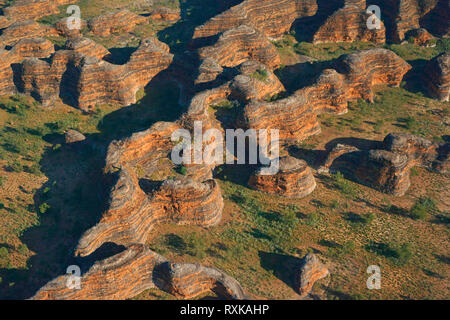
22	10
73	136
133	212
420	37
293	180
402	16
165	14
367	68
122	21
240	44
103	82
136	269
9	59
88	79
255	82
187	281
420	152
349	24
437	77
310	271
24	29
388	169
273	18
64	28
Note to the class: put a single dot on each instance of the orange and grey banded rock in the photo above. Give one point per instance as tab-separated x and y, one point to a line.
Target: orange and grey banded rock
420	37
103	82
293	180
292	116
22	10
23	49
25	29
420	152
437	77
187	281
135	270
272	17
402	16
122	21
364	69
165	14
240	44
349	24
88	79
388	169
310	271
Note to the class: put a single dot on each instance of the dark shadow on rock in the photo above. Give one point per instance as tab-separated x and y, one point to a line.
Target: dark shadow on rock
313	158
306	27
120	56
301	75
284	267
193	13
360	143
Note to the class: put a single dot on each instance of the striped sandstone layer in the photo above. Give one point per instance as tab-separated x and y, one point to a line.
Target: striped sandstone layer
272	17
122	21
310	270
88	80
367	68
357	73
349	24
187	281
22	10
244	87
294	117
402	16
240	44
136	269
388	170
26	48
48	80
133	212
103	82
293	180
437	77
420	152
24	29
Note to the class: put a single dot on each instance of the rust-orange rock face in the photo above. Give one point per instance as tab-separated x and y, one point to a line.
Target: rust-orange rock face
388	170
33	9
132	212
293	117
367	68
272	17
293	180
103	82
122	21
88	79
256	81
402	16
165	14
64	28
188	281
26	48
310	271
22	30
349	24
437	77
420	37
420	152
136	269
240	44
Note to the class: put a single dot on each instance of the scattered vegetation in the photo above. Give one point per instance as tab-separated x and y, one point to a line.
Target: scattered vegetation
260	74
